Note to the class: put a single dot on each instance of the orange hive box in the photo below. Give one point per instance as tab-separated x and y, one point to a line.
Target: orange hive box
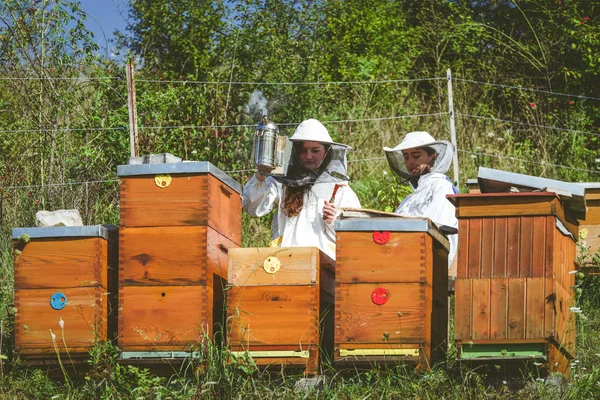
473	186
516	258
391	292
178	222
590	227
280	306
66	274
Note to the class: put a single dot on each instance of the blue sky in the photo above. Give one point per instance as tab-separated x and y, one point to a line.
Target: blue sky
104	16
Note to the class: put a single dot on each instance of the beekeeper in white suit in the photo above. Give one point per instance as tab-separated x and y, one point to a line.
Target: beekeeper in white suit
423	162
305	215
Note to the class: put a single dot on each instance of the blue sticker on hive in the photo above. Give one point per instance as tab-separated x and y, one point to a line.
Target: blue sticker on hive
58	301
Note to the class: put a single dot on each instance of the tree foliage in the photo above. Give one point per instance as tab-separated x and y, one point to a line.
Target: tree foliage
511	60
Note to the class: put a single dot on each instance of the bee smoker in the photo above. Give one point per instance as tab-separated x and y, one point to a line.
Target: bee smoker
271	150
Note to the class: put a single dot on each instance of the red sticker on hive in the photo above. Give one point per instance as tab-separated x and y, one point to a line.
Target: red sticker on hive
380	296
381	237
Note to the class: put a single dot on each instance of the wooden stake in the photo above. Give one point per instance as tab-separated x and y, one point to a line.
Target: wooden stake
133	126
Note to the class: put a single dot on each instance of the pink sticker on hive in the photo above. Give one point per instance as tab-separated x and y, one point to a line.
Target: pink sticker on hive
380	296
381	237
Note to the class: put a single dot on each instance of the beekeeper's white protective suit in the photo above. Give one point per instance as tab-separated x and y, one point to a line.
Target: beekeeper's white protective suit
308	228
429	196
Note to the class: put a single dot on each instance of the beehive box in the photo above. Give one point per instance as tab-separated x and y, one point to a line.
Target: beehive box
391	291
473	186
178	222
180	194
65	291
516	252
590	227
280	306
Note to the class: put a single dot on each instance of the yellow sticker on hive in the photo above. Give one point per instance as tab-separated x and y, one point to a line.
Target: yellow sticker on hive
162	181
271	265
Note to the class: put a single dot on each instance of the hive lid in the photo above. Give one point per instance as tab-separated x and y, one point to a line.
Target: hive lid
362	220
102	231
185	167
498	181
590	185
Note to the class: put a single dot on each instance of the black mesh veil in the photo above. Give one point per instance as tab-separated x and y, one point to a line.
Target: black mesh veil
333	169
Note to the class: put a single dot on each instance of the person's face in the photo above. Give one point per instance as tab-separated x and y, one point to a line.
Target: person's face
417	161
311	155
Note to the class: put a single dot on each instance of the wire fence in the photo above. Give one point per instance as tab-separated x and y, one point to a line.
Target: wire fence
88	195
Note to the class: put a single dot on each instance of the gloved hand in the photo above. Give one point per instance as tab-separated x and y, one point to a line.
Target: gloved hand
262	171
329	212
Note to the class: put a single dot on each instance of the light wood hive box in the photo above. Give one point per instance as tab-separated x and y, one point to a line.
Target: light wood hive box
516	255
280	306
590	227
178	222
391	292
66	274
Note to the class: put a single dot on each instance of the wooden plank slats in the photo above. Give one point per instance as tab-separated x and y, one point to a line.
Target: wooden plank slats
488	247
463	300
500	248
550	309
481	309
498	308
526	247
462	253
516	308
474	258
550	247
538	261
513	251
535	308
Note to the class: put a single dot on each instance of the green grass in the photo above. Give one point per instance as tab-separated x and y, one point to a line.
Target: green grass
214	375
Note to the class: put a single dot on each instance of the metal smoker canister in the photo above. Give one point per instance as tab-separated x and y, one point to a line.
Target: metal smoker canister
265	144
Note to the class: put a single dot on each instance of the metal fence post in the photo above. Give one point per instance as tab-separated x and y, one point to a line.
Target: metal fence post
452	127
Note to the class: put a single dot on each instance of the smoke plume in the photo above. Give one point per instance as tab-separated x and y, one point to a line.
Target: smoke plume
256	106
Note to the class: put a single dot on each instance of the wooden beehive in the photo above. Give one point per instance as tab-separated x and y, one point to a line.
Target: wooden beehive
66	274
473	186
180	194
280	306
590	227
391	291
516	255
178	222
